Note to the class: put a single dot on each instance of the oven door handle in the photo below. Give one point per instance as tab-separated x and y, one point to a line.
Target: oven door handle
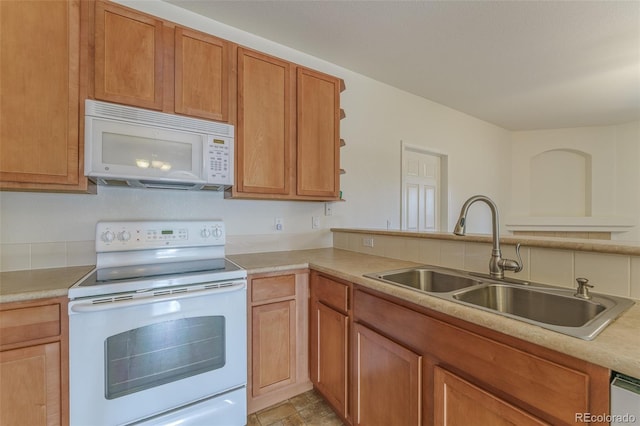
146	298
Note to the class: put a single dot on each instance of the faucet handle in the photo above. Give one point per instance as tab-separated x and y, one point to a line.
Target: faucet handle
519	261
512	265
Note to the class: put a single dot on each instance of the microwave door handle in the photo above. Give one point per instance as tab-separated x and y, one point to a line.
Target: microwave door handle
88	306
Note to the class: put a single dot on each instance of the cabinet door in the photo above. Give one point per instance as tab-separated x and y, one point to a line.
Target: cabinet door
388	381
265	124
329	354
128	57
30	385
273	346
39	83
318	143
201	75
458	401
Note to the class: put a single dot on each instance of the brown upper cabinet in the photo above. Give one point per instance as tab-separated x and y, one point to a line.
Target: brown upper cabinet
318	136
143	61
201	75
265	130
129	52
40	48
56	54
287	132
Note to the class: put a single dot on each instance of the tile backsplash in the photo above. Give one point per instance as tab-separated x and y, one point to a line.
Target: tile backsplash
25	256
612	274
22	256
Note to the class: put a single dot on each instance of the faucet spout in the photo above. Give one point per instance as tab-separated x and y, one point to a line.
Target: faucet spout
497	265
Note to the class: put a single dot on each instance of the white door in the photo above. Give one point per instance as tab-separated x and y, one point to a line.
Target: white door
420	190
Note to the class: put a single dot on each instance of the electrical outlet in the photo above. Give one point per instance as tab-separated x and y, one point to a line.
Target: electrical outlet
367	241
328	209
278	224
315	222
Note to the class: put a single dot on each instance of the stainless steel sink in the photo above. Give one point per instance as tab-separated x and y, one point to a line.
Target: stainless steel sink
427	279
533	304
550	307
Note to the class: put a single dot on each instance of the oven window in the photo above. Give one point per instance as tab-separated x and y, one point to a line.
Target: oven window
156	354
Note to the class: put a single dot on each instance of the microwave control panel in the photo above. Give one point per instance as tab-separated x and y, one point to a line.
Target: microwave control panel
219	160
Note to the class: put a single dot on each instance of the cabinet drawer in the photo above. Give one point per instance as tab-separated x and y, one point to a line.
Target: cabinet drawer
24	324
331	293
276	287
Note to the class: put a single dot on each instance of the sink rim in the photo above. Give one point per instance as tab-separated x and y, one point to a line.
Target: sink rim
567	294
614	305
383	276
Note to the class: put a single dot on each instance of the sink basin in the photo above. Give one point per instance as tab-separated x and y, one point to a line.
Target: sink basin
550	307
426	279
536	305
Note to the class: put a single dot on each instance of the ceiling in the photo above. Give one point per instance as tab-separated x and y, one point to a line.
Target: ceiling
522	65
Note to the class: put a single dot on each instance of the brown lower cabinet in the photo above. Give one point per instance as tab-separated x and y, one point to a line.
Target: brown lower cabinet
409	365
277	343
34	363
383	398
329	325
457	401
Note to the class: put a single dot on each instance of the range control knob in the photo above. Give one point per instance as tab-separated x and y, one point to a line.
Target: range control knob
124	236
108	236
217	232
205	233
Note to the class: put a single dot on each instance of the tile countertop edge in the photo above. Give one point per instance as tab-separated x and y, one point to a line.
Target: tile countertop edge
630	248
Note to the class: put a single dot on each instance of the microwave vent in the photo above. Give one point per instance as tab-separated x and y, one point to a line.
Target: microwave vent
139	183
154	118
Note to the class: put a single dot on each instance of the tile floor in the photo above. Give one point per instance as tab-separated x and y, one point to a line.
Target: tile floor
304	409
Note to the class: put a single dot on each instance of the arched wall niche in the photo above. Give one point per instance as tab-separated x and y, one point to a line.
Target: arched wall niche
560	183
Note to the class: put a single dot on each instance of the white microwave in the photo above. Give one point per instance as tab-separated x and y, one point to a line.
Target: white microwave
149	149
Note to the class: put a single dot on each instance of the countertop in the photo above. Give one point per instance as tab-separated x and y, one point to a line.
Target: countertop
39	283
617	347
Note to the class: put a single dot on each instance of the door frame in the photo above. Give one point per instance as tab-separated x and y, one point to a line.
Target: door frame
443	197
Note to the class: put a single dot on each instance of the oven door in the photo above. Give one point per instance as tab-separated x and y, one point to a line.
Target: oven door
133	359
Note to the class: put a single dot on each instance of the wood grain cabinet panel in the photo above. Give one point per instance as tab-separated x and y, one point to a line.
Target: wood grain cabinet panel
473	372
129	53
201	75
34	387
318	143
277	338
274	345
39	85
30	383
29	323
266	124
388	381
457	401
329	333
287	135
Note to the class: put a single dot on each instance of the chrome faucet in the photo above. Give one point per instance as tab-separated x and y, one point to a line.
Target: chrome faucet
497	265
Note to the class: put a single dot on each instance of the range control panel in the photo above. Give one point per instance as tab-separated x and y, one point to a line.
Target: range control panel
144	235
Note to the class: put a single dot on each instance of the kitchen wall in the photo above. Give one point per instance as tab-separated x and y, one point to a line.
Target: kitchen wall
612	194
50	230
